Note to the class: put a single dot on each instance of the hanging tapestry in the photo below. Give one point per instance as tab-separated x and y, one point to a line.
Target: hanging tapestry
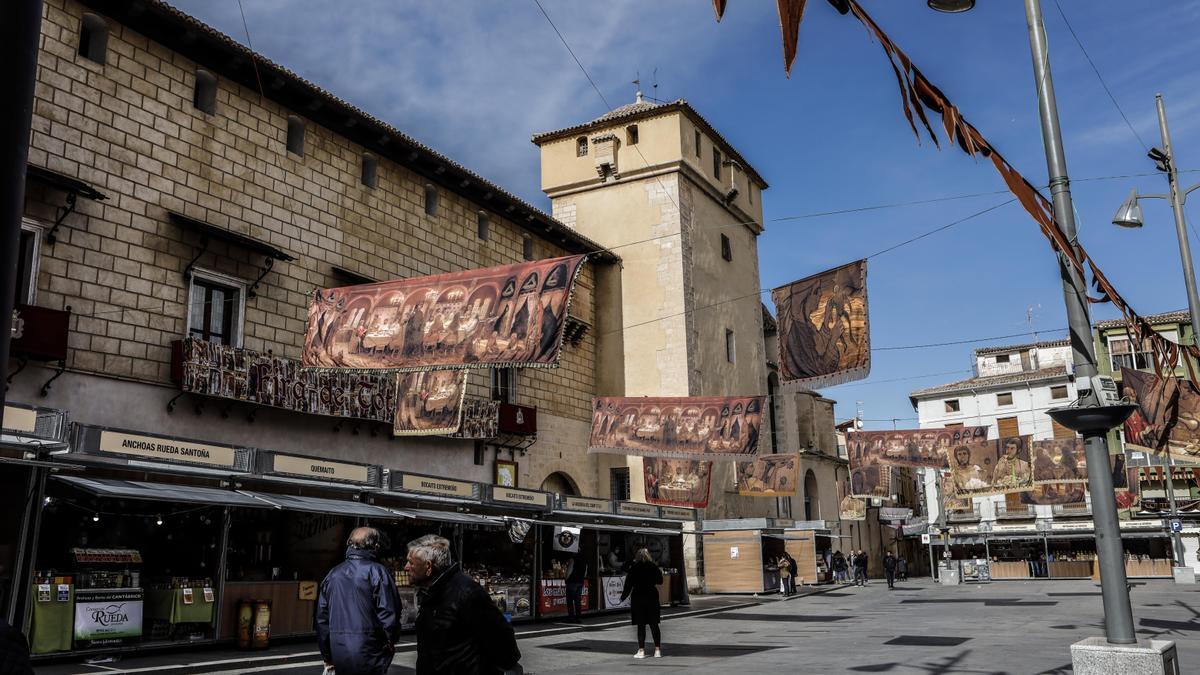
714	427
950	498
677	482
1126	485
512	315
871	480
824	334
929	448
1168	414
429	403
850	508
769	476
480	418
219	370
1059	461
992	467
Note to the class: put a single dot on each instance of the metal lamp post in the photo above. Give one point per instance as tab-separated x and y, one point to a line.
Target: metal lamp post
1118	614
1130	215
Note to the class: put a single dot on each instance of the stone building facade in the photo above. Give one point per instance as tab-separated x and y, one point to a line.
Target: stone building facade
166	120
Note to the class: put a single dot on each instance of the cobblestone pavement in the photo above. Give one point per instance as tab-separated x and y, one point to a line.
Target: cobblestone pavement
1001	627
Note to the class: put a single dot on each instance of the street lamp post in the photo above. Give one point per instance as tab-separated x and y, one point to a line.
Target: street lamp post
1118	614
1130	215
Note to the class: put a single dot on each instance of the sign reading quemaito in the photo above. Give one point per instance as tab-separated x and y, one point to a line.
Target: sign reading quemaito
311	467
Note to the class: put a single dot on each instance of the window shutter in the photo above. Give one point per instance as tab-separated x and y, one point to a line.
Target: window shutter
1008	427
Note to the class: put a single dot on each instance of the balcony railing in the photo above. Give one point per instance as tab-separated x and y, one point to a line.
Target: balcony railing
1069	510
971	516
1022	512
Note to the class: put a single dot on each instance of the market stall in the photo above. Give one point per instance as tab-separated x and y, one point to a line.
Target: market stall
740	555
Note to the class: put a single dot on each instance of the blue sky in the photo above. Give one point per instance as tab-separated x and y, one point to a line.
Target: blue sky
476	79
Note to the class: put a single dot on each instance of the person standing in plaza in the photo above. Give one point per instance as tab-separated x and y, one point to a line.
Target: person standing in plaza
860	568
641	587
785	575
839	567
793	568
902	569
576	572
889	570
459	628
358	611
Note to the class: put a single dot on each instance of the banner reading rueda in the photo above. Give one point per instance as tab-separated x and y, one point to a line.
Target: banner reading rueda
928	448
769	476
714	427
1168	414
429	402
512	315
677	482
824	334
992	467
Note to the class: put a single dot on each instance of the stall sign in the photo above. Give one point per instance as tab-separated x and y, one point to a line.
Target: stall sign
1072	527
168	449
587	505
1011	528
310	467
438	486
1141	524
525	497
734	552
107	616
637	509
552	596
613	588
964	529
307	590
677	513
925	538
20	420
566	539
208	594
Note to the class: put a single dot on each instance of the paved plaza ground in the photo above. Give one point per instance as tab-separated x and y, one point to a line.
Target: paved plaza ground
921	627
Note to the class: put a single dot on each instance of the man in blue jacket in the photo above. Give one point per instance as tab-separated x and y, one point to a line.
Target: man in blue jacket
358	612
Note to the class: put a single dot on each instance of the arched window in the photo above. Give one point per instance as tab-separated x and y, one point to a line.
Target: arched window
561	483
581	144
370	167
205	96
431	199
812	501
93	38
295	135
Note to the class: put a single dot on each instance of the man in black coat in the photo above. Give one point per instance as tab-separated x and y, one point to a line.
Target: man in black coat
358	611
860	568
459	629
889	569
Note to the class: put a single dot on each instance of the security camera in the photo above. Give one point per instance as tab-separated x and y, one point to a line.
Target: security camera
731	195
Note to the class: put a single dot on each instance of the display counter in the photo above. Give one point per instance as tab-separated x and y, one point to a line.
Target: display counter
105	617
1070	569
180	605
1014	569
1155	567
52	617
289	614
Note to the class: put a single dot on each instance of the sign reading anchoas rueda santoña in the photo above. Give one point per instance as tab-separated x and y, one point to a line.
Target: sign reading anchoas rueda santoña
824	333
511	315
713	427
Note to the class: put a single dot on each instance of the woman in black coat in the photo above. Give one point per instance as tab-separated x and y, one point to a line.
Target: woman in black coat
641	587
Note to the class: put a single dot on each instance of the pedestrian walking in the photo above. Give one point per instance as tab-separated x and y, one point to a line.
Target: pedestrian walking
641	587
459	628
902	569
839	568
889	569
358	611
576	573
793	569
860	568
785	575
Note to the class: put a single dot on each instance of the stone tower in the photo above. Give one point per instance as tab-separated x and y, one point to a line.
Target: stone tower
681	207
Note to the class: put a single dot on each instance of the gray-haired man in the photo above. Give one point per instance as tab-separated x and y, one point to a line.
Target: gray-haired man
358	612
459	630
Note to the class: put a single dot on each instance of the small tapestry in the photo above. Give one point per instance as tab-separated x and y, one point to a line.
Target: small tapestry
769	476
677	482
850	508
480	419
684	428
429	403
1059	461
824	333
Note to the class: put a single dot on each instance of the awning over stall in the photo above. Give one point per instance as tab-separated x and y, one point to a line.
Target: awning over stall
450	516
638	529
340	507
163	492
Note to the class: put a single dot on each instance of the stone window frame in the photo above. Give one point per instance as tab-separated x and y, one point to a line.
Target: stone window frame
204	91
527	247
37	233
581	146
93	38
238	333
631	134
730	346
370	170
295	135
483	225
726	248
431	200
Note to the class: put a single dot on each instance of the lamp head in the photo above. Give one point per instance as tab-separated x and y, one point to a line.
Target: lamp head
951	6
1130	212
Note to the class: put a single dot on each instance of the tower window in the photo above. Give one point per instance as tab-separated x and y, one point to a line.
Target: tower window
581	144
93	38
295	135
205	95
431	199
618	483
370	169
716	163
730	346
527	247
483	226
631	134
698	143
726	248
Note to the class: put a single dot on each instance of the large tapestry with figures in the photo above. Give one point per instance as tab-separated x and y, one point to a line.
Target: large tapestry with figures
713	427
929	448
511	315
824	333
